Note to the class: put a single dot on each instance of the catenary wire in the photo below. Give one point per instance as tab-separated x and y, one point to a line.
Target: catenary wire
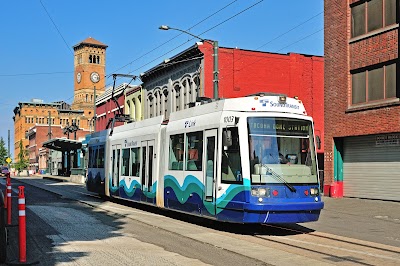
175	48
152	50
69	49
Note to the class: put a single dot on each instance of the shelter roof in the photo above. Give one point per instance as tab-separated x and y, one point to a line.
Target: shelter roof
62	144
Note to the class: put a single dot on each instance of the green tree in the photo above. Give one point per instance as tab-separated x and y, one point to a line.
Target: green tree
23	160
3	152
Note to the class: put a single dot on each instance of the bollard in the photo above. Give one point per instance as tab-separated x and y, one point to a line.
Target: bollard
22	225
5	191
8	201
5	195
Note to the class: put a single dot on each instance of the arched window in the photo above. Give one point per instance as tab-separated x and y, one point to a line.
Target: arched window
98	59
165	103
150	105
86	97
90	59
177	98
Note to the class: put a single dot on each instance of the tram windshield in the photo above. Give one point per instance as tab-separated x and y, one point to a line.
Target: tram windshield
281	151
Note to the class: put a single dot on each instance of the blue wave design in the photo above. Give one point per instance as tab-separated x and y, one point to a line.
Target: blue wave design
192	185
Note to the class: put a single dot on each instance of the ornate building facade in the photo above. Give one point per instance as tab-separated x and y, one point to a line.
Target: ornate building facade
177	83
89	69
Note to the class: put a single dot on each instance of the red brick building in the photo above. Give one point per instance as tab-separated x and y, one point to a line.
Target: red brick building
362	107
175	83
39	134
106	107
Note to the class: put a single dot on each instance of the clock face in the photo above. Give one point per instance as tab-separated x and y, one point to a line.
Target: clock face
95	77
78	77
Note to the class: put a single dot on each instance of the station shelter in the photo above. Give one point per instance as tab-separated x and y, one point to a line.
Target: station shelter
71	156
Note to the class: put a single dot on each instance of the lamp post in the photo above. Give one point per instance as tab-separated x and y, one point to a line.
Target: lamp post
215	55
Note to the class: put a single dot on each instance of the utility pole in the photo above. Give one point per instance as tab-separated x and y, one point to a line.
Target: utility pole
50	161
94	110
9	154
215	80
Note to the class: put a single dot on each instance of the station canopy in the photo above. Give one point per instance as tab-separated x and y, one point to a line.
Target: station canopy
62	144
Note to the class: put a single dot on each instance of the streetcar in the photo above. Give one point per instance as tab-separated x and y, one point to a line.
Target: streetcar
241	160
95	173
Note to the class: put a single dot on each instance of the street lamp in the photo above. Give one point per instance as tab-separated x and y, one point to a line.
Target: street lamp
215	54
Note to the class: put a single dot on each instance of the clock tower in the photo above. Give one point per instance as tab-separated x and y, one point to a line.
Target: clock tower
89	65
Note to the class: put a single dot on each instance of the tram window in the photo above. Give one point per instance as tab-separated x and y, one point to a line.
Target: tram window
176	152
125	162
100	158
90	162
194	151
231	162
135	159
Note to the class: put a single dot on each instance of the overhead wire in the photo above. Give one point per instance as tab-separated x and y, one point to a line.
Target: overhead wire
286	32
215	26
34	74
281	35
176	36
175	48
69	48
198	23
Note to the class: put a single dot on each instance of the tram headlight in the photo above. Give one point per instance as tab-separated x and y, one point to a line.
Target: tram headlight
260	192
314	191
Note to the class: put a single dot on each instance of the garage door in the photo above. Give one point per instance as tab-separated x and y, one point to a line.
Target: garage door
371	167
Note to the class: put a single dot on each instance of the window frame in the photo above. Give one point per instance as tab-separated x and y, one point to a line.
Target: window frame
385	22
366	72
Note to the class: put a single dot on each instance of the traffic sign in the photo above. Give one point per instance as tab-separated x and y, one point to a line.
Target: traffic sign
8	160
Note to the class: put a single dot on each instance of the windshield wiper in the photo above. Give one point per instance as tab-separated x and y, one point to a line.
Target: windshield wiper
281	179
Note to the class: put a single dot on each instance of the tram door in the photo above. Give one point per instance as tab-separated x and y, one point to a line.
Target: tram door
148	158
115	167
210	171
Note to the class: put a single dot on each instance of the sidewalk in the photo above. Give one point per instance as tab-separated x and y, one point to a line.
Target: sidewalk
73	179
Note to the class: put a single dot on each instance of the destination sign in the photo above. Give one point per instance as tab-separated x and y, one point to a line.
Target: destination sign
273	126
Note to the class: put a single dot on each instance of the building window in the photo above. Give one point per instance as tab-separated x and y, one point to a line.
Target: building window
374	84
372	15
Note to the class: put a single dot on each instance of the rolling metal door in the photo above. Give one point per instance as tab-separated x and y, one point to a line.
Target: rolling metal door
371	167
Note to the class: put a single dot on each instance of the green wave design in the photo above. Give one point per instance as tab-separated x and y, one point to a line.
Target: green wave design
193	185
113	189
190	185
130	191
151	194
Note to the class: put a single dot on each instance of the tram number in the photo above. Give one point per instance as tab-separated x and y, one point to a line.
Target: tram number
229	119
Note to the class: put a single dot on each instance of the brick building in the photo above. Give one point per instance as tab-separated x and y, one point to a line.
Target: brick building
39	134
89	68
362	107
106	107
36	136
36	113
177	82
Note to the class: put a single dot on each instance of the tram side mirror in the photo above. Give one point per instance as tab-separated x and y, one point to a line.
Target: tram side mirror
318	140
227	138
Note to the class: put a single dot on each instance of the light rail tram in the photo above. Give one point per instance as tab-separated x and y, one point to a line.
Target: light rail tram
241	160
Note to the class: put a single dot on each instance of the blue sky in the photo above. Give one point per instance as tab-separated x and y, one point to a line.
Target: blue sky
36	56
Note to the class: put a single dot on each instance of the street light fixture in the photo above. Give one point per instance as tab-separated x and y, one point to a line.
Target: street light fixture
215	54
